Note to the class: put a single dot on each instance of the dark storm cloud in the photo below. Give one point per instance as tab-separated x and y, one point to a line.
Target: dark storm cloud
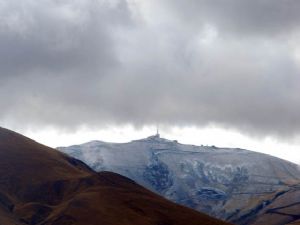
258	17
57	35
72	63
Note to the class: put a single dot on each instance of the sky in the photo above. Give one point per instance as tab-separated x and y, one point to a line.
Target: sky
214	72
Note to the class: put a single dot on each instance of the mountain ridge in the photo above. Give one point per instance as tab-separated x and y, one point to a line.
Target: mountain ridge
164	140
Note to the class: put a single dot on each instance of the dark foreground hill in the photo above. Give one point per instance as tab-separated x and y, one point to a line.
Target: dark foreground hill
41	186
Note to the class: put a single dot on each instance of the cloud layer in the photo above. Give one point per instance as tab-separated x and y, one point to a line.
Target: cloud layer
231	63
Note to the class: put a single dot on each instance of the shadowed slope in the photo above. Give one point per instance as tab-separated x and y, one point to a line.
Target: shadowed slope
39	185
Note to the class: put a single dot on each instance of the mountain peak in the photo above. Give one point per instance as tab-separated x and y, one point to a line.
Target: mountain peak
155	138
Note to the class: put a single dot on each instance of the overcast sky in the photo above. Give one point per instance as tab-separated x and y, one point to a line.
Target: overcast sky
74	66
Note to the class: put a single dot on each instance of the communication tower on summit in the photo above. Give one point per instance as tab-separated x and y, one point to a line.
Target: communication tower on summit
157	131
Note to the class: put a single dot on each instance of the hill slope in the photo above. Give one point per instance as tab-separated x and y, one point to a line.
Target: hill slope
284	209
41	186
231	184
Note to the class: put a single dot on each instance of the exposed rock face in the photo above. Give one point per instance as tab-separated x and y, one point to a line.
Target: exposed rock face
231	184
41	186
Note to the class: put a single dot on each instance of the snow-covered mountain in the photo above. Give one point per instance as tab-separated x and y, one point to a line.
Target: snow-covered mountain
231	184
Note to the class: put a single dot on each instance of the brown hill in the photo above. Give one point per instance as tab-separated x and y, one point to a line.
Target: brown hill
283	209
41	186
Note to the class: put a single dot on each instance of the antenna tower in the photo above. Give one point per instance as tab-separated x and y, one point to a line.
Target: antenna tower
157	130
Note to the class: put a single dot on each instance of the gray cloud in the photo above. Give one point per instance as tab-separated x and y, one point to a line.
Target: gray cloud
257	17
72	63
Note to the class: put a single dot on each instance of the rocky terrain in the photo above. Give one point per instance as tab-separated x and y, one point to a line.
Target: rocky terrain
41	186
235	185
